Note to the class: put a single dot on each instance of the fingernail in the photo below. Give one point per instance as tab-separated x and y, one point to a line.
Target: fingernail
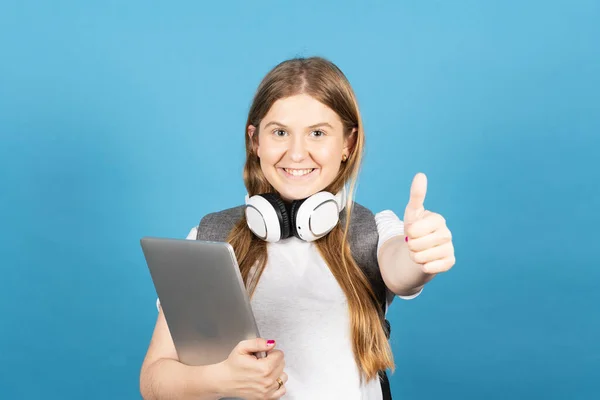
270	342
406	238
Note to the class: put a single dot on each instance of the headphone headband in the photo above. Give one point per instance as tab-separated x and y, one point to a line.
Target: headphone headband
340	198
269	218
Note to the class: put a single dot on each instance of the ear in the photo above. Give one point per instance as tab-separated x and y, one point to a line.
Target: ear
253	140
349	142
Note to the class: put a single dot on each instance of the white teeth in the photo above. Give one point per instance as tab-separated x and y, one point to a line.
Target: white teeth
298	172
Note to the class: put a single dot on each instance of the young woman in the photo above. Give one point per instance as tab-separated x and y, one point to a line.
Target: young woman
321	269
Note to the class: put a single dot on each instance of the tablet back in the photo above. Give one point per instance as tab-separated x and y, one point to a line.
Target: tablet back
202	296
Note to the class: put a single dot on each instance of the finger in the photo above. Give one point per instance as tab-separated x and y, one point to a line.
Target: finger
282	390
429	223
270	351
274	364
252	346
284	378
433	254
274	358
438	266
273	349
278	370
436	238
416	201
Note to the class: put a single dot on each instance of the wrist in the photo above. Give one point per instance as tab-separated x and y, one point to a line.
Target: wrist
400	273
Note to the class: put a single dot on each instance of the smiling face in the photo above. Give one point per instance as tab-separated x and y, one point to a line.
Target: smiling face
300	145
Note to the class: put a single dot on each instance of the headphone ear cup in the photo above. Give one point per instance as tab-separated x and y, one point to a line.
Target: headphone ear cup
281	212
316	216
293	216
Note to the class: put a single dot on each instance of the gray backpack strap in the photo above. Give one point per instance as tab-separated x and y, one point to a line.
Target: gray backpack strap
215	227
363	237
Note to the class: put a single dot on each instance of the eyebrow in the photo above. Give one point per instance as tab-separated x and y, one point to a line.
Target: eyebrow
310	127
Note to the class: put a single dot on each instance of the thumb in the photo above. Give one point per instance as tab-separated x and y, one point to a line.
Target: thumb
416	202
252	346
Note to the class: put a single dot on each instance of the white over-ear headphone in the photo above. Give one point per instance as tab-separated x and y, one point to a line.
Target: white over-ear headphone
270	219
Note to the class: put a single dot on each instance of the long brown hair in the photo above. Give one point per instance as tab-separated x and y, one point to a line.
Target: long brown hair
325	82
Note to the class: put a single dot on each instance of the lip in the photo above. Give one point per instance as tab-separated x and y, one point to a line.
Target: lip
298	178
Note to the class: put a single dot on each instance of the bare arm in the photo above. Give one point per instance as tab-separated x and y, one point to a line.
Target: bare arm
400	273
163	377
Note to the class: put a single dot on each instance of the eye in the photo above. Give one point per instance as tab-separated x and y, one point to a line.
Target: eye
318	133
279	132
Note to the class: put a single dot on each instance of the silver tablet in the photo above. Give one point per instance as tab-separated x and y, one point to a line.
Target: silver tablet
202	296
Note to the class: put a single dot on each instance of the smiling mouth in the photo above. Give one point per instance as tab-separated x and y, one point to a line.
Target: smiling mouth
298	172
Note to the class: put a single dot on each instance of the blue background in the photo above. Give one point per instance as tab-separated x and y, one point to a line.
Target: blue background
120	119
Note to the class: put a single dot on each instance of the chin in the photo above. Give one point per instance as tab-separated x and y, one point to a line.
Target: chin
297	193
298	190
291	195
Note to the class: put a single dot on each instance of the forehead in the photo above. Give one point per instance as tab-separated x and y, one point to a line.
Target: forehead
301	110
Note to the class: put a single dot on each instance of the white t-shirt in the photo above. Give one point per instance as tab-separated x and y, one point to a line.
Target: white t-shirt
300	305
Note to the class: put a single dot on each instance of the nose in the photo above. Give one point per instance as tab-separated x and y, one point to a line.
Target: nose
298	150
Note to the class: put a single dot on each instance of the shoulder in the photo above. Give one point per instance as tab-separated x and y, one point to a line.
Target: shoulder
363	228
228	215
362	221
361	211
215	226
363	235
368	231
362	215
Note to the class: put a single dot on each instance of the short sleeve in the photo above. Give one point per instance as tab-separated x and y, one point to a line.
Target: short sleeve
193	233
389	226
191	236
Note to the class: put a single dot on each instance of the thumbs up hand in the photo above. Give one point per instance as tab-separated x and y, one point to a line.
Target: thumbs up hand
428	238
